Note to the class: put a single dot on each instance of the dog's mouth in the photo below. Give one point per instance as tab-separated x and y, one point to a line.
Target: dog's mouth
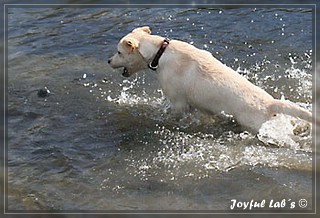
126	72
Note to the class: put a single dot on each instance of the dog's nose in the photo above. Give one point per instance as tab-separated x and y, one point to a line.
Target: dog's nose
109	61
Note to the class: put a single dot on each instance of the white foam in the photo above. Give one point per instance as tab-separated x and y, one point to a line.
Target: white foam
127	97
285	131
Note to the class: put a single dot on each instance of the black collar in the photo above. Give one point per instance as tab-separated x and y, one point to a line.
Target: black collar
155	62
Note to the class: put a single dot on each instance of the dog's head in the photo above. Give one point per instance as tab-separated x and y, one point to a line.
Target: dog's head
129	55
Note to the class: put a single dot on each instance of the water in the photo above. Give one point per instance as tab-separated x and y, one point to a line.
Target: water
99	141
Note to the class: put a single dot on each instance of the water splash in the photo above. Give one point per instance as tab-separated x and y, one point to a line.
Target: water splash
285	131
198	154
127	95
185	151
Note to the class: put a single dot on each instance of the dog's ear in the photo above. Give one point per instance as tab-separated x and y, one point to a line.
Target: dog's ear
145	29
130	43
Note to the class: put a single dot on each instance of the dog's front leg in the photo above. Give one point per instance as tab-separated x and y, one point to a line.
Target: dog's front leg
179	108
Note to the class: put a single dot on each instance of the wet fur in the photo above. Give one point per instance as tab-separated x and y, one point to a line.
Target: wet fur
193	77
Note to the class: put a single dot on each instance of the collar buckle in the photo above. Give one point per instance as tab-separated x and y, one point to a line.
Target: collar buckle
153	68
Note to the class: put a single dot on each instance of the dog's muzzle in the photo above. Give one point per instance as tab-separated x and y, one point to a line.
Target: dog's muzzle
125	70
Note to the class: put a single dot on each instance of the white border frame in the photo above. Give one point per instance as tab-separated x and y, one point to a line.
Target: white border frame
167	213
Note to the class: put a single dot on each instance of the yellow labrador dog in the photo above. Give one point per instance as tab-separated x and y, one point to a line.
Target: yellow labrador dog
193	77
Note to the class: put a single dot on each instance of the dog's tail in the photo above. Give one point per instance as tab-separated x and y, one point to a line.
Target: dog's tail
291	109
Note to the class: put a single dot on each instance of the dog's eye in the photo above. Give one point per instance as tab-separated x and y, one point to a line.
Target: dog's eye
119	52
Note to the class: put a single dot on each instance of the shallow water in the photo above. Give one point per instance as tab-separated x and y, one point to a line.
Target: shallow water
99	141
